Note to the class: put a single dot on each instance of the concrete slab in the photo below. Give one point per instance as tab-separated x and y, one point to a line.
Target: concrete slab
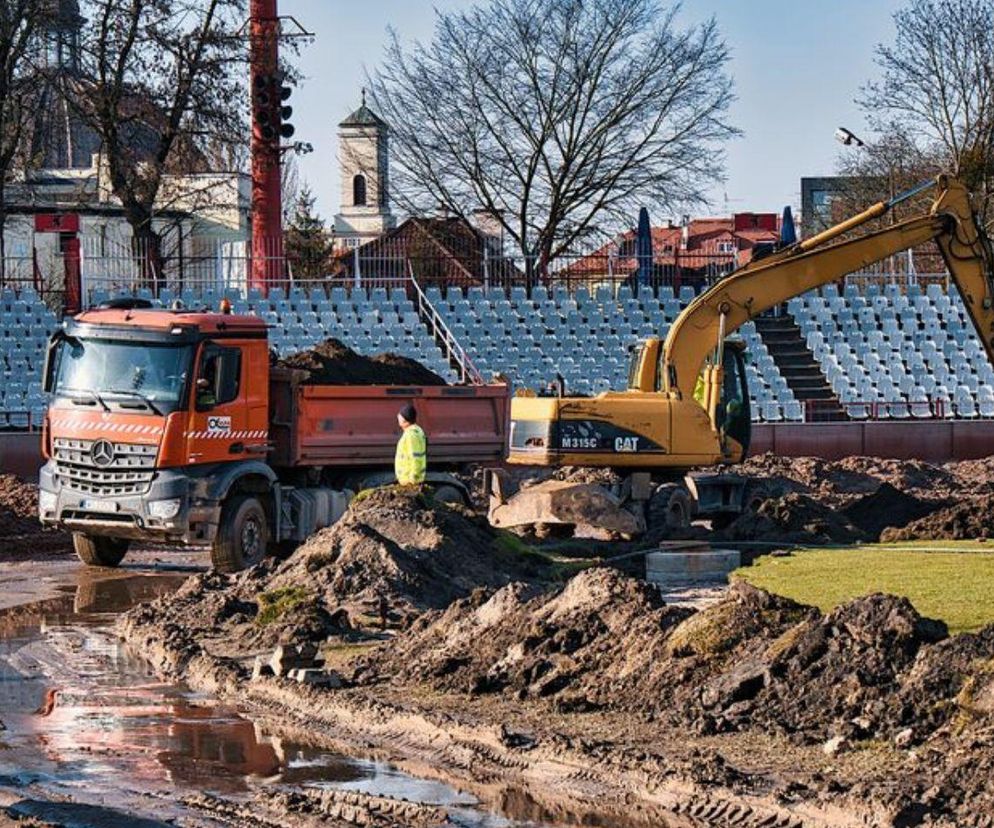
699	566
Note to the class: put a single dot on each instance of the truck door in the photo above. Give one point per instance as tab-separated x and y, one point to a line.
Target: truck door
219	417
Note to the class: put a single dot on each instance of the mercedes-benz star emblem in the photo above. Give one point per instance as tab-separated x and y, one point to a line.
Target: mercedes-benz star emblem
102	453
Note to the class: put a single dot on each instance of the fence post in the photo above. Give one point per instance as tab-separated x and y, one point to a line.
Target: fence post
357	274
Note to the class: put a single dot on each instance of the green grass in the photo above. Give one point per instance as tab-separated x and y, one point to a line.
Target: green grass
954	586
275	604
542	561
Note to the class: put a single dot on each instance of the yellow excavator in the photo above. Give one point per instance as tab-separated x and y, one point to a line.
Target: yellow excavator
687	402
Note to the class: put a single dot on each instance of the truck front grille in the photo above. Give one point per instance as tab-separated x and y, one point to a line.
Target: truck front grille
112	469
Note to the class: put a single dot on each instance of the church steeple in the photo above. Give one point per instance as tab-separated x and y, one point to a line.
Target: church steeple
364	160
61	34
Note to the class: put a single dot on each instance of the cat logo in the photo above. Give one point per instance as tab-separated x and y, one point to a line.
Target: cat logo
626	444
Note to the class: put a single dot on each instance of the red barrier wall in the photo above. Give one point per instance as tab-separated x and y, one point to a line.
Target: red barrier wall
20	454
935	441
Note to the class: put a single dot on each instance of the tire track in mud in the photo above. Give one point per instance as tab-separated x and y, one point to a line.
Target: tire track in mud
562	782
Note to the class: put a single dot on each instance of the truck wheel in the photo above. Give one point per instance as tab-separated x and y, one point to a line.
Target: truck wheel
98	551
242	536
448	494
670	506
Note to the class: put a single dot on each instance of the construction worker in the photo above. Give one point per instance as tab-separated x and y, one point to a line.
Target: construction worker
411	460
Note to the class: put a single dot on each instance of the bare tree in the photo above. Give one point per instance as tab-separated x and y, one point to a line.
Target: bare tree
21	25
936	88
162	85
556	115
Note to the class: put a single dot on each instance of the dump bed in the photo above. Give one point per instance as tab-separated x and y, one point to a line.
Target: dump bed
356	425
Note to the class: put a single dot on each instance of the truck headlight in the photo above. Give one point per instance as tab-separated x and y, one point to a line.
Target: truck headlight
47	501
164	509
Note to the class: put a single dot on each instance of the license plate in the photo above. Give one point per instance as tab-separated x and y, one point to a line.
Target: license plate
98	505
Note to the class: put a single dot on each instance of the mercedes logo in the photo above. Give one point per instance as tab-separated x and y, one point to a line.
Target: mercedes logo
102	453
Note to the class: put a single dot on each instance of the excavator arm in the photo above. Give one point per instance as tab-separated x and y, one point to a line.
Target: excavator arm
763	284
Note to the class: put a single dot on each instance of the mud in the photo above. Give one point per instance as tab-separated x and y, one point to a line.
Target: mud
334	363
601	674
21	535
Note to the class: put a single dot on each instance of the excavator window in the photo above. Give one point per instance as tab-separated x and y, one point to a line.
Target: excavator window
733	415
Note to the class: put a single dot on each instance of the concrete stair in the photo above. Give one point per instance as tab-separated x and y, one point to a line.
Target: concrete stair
799	367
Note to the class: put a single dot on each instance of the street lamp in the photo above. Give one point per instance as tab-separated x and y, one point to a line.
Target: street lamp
847	138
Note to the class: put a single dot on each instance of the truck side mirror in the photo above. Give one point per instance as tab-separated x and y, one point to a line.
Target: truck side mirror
48	373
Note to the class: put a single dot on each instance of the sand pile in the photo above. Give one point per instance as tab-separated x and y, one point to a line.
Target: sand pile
334	363
20	531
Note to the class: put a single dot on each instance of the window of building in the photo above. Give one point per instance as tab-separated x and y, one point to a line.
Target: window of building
359	191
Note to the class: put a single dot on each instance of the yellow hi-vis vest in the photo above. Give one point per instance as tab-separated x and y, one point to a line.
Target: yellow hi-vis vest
412	456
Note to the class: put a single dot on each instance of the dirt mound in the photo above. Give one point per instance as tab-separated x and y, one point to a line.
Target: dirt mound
971	519
869	669
839	482
973	476
395	554
334	363
402	548
887	507
793	518
20	531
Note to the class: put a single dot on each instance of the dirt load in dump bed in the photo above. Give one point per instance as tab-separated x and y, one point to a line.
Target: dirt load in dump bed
334	363
20	532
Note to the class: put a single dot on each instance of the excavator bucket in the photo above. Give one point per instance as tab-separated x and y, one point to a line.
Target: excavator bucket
585	506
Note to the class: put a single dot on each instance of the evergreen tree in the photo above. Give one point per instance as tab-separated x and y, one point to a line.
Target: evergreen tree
308	243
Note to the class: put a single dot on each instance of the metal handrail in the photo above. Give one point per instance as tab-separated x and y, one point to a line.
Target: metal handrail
453	350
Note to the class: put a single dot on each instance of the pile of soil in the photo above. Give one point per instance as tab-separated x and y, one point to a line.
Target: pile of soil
753	662
793	518
334	363
838	483
970	519
887	508
394	554
20	531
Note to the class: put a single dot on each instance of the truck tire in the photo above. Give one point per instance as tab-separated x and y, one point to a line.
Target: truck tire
449	494
670	506
94	550
242	535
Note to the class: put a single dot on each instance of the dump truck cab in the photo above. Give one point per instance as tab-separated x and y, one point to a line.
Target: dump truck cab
150	409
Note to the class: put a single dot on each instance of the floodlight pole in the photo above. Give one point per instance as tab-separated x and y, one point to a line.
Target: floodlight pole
268	266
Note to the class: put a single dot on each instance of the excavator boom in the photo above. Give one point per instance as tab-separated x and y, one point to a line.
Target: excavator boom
766	283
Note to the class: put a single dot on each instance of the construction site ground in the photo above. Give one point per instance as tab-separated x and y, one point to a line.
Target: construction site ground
490	680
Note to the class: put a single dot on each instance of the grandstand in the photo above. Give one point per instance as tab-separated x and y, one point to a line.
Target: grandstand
883	352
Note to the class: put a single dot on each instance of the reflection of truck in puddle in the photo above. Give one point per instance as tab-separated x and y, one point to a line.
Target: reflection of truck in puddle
172	426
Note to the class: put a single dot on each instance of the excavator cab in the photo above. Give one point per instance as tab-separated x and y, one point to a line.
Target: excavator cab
733	417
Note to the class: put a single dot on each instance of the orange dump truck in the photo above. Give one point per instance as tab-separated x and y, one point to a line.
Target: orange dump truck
171	426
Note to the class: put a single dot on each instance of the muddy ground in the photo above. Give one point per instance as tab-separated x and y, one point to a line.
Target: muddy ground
465	653
21	535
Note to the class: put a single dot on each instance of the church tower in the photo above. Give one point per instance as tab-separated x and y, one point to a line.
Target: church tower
363	157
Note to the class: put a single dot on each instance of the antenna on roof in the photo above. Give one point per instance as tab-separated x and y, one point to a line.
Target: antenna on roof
364	96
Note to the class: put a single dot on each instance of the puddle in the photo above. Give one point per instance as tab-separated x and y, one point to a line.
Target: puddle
86	717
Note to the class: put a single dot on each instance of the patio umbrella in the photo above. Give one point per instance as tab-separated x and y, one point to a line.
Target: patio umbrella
788	235
643	249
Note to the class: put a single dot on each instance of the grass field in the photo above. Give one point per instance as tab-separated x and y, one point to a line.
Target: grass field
951	581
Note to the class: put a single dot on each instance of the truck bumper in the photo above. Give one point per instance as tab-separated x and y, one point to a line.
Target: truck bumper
173	510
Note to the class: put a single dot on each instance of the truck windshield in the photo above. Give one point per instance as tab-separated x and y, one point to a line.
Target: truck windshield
123	371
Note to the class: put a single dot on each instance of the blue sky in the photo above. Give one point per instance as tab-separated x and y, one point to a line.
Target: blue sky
797	67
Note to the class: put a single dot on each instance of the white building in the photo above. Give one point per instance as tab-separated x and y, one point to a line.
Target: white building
364	159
